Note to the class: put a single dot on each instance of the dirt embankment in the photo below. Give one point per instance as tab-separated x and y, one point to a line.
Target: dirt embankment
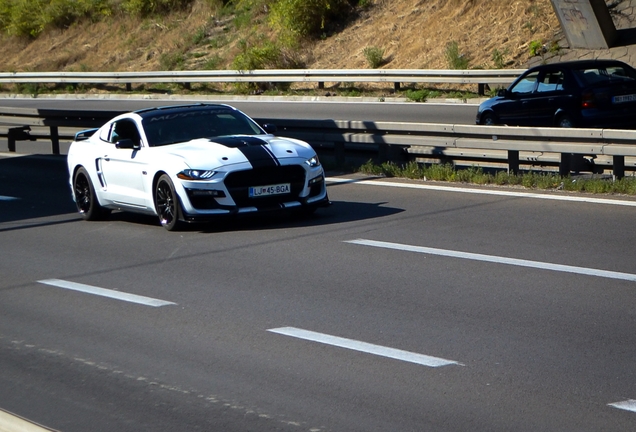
412	33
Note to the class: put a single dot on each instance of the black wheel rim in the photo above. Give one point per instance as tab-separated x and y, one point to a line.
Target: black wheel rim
82	193
166	206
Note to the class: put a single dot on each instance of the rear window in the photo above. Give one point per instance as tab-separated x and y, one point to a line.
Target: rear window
605	75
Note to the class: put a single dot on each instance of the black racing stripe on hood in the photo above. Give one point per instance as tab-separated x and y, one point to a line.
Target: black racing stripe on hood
252	148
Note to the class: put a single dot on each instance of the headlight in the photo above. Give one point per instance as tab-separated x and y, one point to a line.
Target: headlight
313	162
193	174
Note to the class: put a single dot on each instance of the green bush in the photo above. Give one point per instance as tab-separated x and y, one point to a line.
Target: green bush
148	7
31	17
536	48
265	56
172	61
417	95
307	18
499	58
374	56
455	59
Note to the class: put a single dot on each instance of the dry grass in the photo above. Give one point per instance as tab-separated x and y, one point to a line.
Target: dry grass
413	34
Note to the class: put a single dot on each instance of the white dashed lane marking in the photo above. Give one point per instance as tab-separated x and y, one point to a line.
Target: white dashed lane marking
628	405
10	422
497	259
364	347
118	295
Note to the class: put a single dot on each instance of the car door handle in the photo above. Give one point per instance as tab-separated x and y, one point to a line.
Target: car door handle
106	158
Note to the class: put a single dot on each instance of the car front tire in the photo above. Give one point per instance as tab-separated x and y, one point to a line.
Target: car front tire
167	204
85	198
488	119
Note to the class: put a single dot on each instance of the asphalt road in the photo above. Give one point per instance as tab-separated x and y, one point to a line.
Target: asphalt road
263	108
525	305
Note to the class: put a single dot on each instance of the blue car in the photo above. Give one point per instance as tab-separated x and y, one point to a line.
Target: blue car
584	93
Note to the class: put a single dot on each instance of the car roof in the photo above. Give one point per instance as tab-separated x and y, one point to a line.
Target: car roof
582	64
175	109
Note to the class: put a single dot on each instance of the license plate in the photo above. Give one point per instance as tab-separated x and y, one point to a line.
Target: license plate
260	191
625	98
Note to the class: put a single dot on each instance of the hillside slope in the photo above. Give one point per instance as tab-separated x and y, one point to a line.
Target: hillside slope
412	33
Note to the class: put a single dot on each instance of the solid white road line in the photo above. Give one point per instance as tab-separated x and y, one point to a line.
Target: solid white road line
132	298
12	423
497	259
7	198
364	347
487	192
628	405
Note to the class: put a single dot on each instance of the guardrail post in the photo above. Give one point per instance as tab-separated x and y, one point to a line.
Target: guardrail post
619	166
11	141
564	166
128	87
321	85
55	140
396	86
513	161
481	89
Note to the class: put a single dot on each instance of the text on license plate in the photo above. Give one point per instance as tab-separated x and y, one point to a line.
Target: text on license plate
625	98
259	191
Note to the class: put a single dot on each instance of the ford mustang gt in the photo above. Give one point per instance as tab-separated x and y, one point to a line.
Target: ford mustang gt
191	163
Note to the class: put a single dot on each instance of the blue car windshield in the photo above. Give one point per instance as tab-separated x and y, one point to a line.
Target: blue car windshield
164	128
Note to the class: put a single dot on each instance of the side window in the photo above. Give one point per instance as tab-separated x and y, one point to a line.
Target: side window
526	85
552	81
125	129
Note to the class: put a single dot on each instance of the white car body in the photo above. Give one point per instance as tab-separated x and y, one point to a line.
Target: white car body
211	175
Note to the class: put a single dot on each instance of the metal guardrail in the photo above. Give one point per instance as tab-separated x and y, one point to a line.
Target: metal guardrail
395	76
390	140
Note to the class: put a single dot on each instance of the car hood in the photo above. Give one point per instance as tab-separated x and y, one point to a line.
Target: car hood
490	102
237	149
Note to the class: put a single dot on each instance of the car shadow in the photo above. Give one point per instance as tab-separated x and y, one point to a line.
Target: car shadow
338	212
34	187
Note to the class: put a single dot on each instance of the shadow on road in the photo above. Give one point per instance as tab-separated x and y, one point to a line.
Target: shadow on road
35	187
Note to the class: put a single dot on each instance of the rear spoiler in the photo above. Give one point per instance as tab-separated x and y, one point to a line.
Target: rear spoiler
85	134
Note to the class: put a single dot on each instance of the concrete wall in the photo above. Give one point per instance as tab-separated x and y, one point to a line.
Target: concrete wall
586	24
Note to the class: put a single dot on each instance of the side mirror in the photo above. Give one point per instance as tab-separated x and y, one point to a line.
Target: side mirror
270	128
127	144
502	92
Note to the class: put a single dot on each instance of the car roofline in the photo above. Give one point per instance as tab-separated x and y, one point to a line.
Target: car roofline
581	63
182	106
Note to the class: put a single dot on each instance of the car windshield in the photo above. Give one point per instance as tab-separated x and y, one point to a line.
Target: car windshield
164	128
605	75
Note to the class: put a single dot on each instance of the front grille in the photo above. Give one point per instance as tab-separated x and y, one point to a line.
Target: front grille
239	182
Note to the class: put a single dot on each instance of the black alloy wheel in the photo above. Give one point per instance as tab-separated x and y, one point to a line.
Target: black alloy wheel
85	198
167	204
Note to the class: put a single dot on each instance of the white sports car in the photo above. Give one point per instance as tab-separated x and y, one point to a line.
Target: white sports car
191	162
